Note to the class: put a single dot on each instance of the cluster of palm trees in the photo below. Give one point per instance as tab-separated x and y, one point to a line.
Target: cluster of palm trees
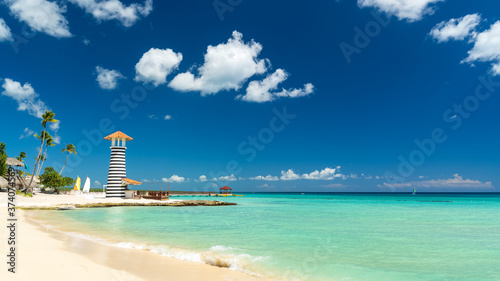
46	141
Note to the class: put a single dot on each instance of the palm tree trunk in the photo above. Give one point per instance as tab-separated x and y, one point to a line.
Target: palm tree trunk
67	154
37	159
44	159
42	162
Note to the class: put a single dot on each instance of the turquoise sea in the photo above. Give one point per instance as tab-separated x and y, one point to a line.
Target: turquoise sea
314	236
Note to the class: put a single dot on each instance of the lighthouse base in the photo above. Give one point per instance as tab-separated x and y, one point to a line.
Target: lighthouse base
116	173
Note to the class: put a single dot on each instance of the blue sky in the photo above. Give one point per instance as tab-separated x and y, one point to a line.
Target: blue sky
367	95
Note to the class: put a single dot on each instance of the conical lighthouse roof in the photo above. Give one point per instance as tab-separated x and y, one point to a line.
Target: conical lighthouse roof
119	135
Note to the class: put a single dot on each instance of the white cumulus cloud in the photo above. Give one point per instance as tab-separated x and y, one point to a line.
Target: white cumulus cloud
410	10
456	29
264	91
486	48
25	96
5	34
325	174
167	117
203	178
227	66
103	10
174	178
108	79
41	15
265	178
289	175
155	65
227	178
456	182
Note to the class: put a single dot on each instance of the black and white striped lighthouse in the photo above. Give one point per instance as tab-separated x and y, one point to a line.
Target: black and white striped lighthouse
117	170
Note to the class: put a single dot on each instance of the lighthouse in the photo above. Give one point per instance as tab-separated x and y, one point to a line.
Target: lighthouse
117	175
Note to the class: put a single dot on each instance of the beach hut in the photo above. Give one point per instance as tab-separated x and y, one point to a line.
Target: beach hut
14	162
126	182
27	179
117	175
225	190
18	180
4	183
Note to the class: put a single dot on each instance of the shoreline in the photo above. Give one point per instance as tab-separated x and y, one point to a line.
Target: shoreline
52	255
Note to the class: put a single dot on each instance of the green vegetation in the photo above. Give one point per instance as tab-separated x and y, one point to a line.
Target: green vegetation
51	178
70	148
3	158
18	192
21	156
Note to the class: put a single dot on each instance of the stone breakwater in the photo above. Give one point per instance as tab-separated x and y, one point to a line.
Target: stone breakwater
184	203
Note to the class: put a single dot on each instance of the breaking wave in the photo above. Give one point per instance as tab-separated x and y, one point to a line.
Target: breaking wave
218	255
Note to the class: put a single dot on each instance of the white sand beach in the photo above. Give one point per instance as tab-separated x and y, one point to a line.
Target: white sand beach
44	254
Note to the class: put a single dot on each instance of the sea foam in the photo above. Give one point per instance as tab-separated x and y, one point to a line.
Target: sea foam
217	255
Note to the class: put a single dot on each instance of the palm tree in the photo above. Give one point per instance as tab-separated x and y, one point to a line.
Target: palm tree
48	142
45	136
21	156
47	117
70	148
41	158
42	136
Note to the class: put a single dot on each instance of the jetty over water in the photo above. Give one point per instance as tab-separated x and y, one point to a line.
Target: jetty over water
162	195
203	194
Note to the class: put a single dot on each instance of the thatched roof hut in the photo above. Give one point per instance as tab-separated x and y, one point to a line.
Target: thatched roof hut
3	183
20	182
36	180
14	162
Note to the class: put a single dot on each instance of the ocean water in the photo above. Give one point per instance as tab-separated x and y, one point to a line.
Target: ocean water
293	236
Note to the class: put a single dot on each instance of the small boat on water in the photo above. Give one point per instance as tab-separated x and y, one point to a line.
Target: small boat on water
414	191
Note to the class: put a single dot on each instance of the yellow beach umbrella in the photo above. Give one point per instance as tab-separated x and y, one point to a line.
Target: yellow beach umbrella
77	183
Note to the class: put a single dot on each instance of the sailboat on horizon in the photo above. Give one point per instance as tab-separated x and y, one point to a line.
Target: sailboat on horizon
414	191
